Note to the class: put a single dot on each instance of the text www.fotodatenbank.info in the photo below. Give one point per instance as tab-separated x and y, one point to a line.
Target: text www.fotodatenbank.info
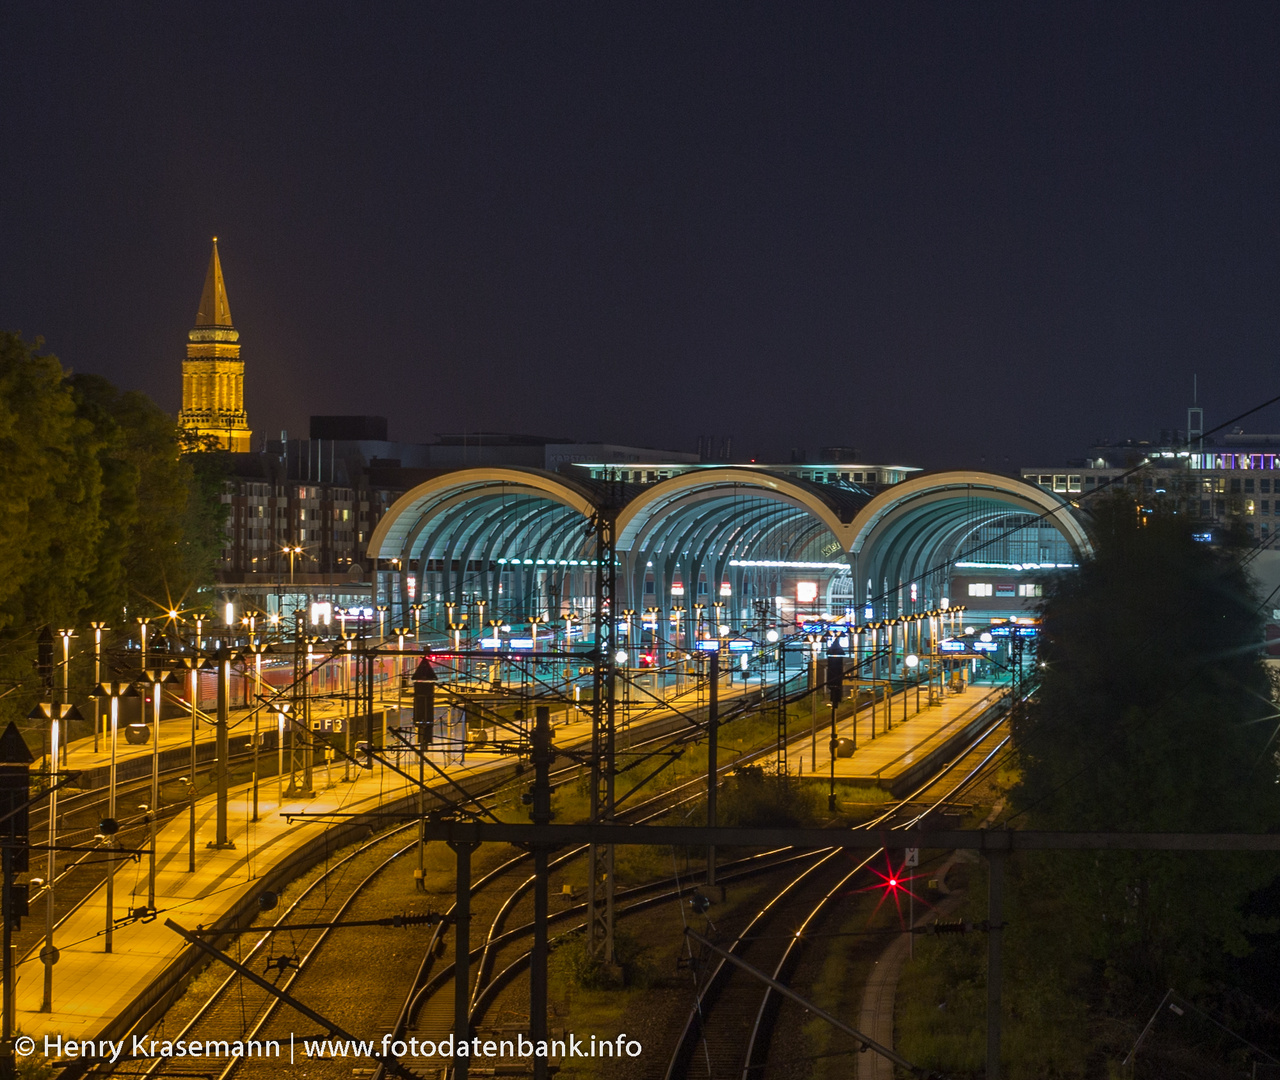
300	1049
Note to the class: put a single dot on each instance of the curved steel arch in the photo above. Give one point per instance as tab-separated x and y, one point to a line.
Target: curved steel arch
907	532
654	500
390	533
911	495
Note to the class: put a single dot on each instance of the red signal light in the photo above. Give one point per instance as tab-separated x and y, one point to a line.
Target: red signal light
894	882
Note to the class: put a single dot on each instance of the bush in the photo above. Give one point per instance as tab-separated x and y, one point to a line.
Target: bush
753	798
573	961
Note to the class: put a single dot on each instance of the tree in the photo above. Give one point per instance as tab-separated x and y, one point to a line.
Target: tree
100	507
163	521
50	486
1153	714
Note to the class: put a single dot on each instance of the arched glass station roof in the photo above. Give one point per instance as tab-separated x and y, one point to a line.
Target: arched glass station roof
522	542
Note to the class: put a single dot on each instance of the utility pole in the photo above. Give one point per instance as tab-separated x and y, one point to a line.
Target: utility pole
600	857
462	953
424	718
543	757
995	943
223	657
713	748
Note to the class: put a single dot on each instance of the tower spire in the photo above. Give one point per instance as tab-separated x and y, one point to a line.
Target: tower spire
213	373
213	301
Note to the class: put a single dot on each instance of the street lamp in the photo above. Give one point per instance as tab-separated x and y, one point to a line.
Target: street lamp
156	678
257	649
54	712
194	664
115	691
97	627
281	709
66	636
382	620
913	663
416	608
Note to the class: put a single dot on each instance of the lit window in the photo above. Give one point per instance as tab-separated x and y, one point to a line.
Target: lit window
981	588
1030	590
1073	483
1248	506
806	592
1060	483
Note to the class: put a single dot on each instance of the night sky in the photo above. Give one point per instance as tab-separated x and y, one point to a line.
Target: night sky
946	234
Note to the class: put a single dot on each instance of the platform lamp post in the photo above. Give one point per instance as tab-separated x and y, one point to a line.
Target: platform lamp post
66	636
835	690
143	625
156	677
223	658
56	713
424	720
813	640
108	826
382	621
281	709
97	626
194	663
911	663
348	705
257	648
652	617
416	609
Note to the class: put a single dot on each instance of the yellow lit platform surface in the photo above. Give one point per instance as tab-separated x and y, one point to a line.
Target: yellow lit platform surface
96	994
896	758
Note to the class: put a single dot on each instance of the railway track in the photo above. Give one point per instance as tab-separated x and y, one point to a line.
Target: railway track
728	1029
236	1010
233	1010
428	1012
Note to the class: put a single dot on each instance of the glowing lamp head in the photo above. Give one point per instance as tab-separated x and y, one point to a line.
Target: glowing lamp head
913	660
620	657
771	636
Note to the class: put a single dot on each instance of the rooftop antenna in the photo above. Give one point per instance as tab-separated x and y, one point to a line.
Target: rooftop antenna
1195	419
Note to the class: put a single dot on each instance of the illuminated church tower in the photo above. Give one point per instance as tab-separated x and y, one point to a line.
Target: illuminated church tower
213	373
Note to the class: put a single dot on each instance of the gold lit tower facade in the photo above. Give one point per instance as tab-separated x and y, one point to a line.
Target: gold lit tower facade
213	373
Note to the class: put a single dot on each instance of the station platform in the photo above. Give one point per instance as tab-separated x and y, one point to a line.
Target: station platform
897	759
102	995
133	760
